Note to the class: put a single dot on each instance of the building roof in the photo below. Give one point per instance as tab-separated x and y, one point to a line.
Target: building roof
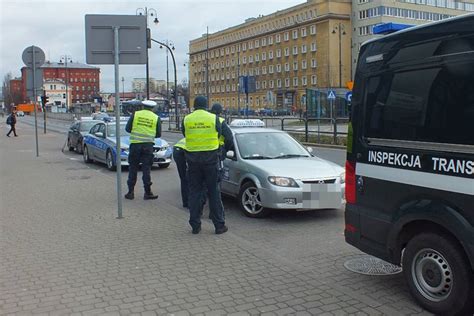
49	64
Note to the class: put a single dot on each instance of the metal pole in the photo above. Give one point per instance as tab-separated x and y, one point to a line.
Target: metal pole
207	66
117	123
148	33
34	99
67	101
167	78
238	83
247	105
340	58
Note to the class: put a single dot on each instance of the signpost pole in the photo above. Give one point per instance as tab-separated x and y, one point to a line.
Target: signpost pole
34	99
118	161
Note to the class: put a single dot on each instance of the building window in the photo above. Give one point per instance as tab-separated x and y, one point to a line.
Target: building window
244	47
270	69
314	63
295	65
264	56
271	84
278	83
304	64
287	82
257	71
244	60
313	47
278	54
277	38
278	68
304	81
313	79
264	41
250	59
286	36
257	57
303	48
270	54
295	50
287	51
295	34
250	45
303	32
287	67
264	70
295	81
312	29
270	40
257	43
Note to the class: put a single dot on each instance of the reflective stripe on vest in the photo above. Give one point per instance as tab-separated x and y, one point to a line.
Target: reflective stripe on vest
181	143
201	133
143	127
221	137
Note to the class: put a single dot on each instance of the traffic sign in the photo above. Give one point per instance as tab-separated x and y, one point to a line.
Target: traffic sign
349	96
331	95
27	56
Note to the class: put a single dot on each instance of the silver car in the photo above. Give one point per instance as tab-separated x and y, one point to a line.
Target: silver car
271	170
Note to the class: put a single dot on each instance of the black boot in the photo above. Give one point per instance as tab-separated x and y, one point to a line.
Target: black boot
149	195
130	195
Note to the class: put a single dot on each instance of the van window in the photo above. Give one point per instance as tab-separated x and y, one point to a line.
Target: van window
432	104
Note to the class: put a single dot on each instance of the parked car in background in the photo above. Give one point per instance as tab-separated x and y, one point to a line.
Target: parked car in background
76	133
20	113
100	145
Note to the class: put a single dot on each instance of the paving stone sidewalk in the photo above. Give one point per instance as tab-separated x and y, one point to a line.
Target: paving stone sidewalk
62	252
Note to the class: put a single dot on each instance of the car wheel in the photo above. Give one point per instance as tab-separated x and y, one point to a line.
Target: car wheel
109	160
85	154
250	203
79	147
69	145
163	165
438	274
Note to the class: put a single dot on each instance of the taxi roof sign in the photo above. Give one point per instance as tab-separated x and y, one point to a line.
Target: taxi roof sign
247	123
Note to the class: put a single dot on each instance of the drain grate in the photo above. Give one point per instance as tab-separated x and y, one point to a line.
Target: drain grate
369	265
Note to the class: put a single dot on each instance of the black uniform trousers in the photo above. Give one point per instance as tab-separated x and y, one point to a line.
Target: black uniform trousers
203	176
180	159
140	153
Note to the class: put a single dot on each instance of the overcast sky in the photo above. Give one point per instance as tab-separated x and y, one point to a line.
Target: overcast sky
57	27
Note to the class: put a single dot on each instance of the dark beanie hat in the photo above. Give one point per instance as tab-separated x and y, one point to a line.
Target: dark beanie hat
200	102
216	108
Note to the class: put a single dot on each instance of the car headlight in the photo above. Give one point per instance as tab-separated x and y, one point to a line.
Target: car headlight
283	182
343	178
124	150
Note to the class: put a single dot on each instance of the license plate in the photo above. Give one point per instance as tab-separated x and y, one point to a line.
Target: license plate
322	195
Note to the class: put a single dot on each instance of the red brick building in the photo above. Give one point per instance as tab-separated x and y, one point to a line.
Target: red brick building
15	86
83	80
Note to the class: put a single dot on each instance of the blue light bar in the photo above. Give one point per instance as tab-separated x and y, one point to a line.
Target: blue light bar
387	28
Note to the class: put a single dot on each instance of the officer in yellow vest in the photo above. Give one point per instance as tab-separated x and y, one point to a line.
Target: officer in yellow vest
144	126
201	130
179	151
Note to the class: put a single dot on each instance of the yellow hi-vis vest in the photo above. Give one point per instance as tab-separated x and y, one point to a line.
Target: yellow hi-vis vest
221	137
181	143
143	127
200	130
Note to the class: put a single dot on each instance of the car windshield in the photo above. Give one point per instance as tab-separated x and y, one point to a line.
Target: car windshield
269	146
86	126
111	130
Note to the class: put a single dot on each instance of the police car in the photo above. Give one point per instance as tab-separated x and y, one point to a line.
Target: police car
410	160
100	145
270	170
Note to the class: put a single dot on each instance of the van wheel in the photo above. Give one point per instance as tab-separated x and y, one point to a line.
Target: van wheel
438	274
109	160
250	203
85	155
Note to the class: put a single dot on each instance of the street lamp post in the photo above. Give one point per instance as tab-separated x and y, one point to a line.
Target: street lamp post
188	94
175	80
65	58
340	28
152	13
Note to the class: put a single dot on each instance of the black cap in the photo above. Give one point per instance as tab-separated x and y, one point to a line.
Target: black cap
216	108
200	102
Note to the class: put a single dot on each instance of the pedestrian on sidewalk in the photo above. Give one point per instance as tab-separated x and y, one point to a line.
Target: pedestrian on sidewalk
201	130
144	126
11	120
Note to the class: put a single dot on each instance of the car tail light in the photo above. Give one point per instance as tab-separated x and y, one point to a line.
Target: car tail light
350	182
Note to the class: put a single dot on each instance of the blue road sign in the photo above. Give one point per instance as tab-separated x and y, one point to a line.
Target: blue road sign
331	95
349	96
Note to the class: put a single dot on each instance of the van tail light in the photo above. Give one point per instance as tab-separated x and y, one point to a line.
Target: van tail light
350	182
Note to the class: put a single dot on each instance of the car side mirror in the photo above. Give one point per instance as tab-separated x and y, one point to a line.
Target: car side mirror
309	149
230	155
99	134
